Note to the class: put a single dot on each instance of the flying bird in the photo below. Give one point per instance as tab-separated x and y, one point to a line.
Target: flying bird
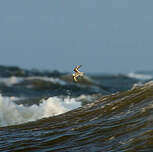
77	73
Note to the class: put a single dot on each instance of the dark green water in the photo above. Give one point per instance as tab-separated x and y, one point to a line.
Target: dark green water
47	111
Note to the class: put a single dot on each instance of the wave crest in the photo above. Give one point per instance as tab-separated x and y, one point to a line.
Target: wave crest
12	113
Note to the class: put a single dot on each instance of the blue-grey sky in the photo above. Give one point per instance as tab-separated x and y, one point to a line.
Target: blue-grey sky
114	36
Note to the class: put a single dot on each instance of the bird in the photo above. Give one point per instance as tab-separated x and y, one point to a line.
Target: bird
77	73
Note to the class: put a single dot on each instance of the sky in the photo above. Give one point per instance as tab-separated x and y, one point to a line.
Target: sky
105	36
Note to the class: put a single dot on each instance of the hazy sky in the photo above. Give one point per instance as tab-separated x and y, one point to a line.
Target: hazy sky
102	35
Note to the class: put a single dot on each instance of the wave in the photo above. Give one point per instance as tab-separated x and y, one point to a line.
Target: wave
40	86
117	122
47	111
12	113
15	81
140	76
10	81
8	71
49	79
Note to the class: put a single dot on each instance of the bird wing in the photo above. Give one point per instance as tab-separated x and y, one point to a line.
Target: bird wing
76	68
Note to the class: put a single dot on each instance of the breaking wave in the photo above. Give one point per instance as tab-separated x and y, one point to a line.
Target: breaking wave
12	113
140	76
47	111
116	122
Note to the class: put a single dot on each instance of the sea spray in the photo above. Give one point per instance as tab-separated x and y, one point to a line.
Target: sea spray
12	113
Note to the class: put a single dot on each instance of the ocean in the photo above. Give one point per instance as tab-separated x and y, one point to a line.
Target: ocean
46	111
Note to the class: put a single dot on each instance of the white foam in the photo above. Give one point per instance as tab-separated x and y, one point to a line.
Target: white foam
135	85
140	76
50	79
12	113
11	80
